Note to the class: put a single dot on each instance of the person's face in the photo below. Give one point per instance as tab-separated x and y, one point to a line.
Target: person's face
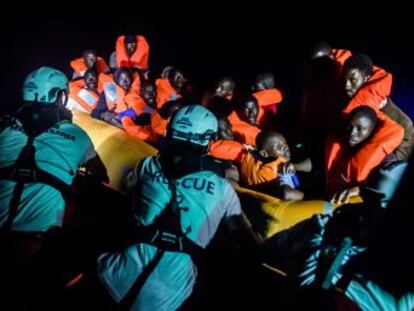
224	130
249	112
91	81
262	84
124	80
354	79
149	94
224	89
90	58
359	128
130	48
278	148
178	81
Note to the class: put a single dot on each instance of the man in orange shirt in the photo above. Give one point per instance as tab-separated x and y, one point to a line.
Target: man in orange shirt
270	167
267	168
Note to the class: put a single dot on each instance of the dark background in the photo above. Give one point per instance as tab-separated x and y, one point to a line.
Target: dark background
208	41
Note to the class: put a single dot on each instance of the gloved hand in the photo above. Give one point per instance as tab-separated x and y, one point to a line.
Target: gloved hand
127	113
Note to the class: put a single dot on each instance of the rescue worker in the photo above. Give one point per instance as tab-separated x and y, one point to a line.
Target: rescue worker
42	125
40	153
179	200
348	260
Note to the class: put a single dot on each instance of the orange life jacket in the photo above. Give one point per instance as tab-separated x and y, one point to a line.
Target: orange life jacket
117	99
158	124
265	99
134	99
372	92
143	132
227	150
341	55
79	67
254	172
346	168
243	131
84	97
165	92
139	59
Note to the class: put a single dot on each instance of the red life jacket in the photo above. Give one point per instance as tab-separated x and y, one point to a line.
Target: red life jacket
117	99
165	92
341	55
134	99
227	150
85	99
143	132
373	92
243	131
346	168
268	101
139	59
158	124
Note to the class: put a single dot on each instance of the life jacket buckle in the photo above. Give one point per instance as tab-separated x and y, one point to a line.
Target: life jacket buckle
167	241
24	174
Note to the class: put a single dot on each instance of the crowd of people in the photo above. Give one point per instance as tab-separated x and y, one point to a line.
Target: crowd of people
354	142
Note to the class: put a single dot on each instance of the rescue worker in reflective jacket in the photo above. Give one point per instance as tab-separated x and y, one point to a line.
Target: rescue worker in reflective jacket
179	200
40	153
41	141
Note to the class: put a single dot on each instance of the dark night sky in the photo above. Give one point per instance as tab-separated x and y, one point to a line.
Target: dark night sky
208	42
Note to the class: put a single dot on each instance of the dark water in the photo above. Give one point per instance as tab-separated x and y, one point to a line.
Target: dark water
209	46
